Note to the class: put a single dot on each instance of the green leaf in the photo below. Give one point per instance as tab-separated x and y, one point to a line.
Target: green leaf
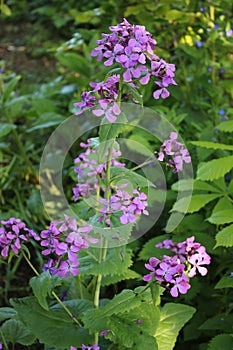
224	237
126	332
215	168
134	92
225	282
9	87
16	332
129	176
43	106
226	126
149	249
172	318
197	202
41	286
5	129
222	204
109	131
220	342
221	322
96	320
5	9
221	217
127	275
74	62
46	120
117	261
212	145
53	327
7	312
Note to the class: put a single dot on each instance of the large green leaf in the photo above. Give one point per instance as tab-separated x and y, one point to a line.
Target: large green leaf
96	320
212	145
127	332
16	332
53	327
224	237
128	274
117	261
41	286
215	168
221	217
197	202
172	318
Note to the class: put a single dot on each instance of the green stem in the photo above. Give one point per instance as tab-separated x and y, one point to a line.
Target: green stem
104	245
53	293
3	340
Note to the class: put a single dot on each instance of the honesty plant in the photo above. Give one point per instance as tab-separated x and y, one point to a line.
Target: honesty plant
79	259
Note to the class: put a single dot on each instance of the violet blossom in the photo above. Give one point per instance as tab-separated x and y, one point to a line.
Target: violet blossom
173	272
131	47
174	153
64	239
12	234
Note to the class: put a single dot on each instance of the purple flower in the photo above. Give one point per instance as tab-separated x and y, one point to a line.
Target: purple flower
12	234
229	33
50	266
179	154
180	285
92	347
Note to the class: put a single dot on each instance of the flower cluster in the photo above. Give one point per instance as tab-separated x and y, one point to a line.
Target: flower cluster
107	92
173	273
132	47
89	170
86	347
176	152
64	239
12	234
129	205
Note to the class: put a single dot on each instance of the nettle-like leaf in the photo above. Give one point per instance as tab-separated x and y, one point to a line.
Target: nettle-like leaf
197	202
172	318
224	237
41	286
227	126
221	217
129	176
221	341
96	320
109	131
135	329
117	262
7	312
53	327
212	145
112	279
214	169
15	331
225	282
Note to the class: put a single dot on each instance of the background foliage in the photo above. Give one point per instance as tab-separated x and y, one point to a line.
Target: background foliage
45	65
